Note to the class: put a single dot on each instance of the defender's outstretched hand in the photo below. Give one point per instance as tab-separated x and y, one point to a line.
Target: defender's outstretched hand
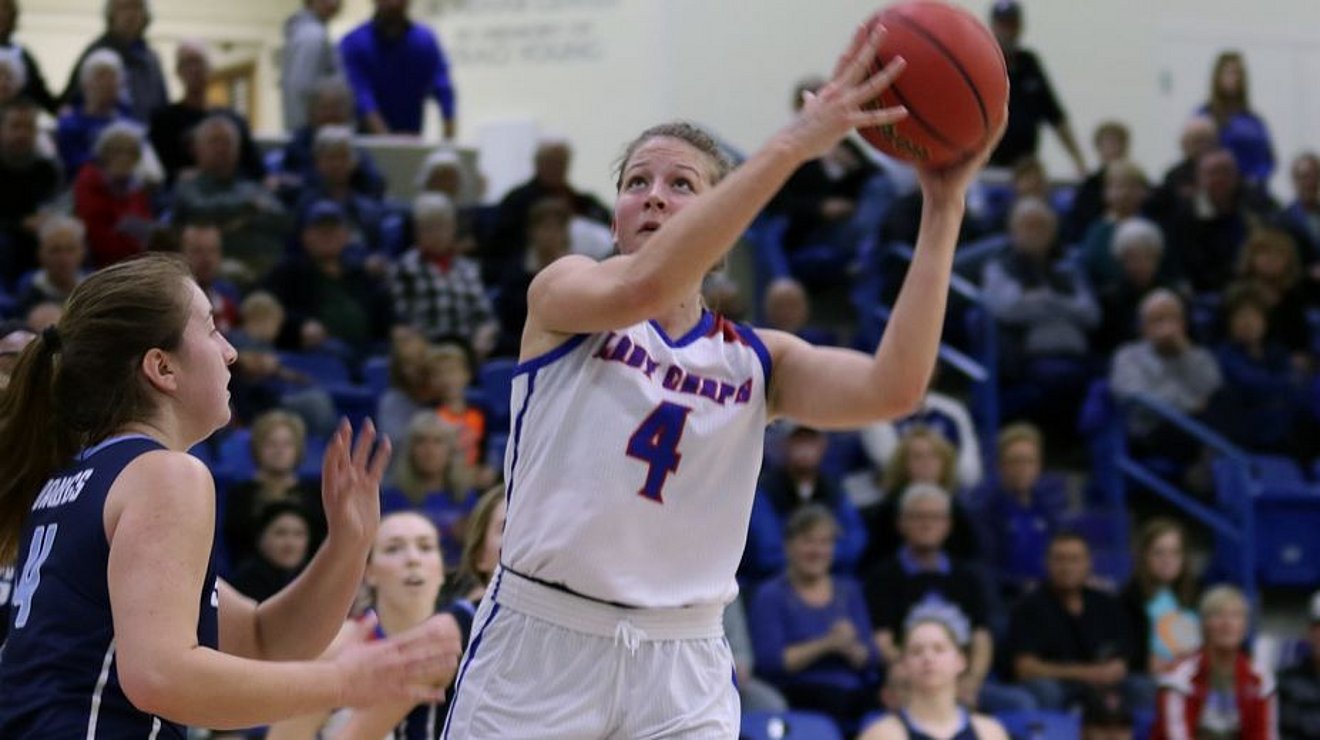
350	482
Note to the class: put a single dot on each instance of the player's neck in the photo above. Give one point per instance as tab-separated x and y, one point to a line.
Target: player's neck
679	320
160	430
396	618
934	711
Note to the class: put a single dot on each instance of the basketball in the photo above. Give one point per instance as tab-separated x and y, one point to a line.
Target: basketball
954	87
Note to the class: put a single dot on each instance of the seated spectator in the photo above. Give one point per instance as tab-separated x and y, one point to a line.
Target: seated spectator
436	290
278	443
1111	142
202	248
1178	187
252	220
788	309
29	185
63	248
111	199
1217	692
331	104
1138	251
1299	685
432	476
1165	365
451	373
754	694
126	24
1125	191
33	85
282	550
1259	405
1301	217
1021	508
810	630
481	551
1070	646
443	172
923	455
1241	131
1161	600
548	240
1206	233
172	125
935	664
924	582
784	490
334	159
1270	266
411	388
1045	310
100	77
332	304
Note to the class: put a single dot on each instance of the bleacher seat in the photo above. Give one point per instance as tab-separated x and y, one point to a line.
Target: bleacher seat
235	456
792	725
495	379
376	374
323	367
496	445
1041	724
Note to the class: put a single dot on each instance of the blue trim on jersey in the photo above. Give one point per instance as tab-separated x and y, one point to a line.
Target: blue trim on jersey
697	332
467	660
753	340
540	361
517	438
110	441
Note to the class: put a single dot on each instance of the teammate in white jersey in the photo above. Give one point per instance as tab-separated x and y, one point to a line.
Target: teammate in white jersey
638	420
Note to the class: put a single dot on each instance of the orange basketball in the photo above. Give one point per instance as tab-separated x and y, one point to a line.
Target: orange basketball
954	87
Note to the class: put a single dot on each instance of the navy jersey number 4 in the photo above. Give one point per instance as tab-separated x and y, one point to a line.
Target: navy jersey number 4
43	538
656	443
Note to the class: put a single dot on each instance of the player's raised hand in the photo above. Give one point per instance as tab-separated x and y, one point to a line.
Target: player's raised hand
413	666
951	182
350	482
845	102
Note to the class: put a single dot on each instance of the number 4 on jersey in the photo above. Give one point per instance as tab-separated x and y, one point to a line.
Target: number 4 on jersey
42	540
656	443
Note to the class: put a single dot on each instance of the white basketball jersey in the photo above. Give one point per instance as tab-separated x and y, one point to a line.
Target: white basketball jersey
633	463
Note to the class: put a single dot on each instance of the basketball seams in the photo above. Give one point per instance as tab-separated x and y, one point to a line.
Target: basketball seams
916	117
956	63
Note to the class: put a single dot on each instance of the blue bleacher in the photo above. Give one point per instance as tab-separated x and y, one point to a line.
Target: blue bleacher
235	456
1041	724
323	367
791	725
376	373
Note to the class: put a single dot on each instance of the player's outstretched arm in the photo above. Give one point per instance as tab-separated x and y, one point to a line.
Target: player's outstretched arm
838	388
576	295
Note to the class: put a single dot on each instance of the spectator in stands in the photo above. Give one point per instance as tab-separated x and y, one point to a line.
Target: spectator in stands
331	104
334	160
436	290
810	630
1205	234
1137	251
1021	508
332	304
34	84
252	220
443	172
1241	130
935	662
29	185
1070	645
60	256
1217	692
431	476
481	550
923	455
111	199
1177	189
1301	218
1031	99
1111	141
279	556
1161	599
394	65
1165	365
788	309
410	389
202	248
308	57
922	581
1299	685
278	443
1262	399
451	373
754	693
100	77
14	336
786	489
549	179
126	24
172	125
547	241
1045	310
12	75
1125	191
723	296
1270	265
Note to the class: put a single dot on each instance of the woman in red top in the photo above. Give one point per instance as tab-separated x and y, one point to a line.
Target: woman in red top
1216	693
110	199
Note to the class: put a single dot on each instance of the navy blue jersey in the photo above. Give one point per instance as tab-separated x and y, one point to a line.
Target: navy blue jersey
6	588
966	732
427	721
58	674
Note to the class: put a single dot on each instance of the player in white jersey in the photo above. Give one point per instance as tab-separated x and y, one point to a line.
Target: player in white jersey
638	420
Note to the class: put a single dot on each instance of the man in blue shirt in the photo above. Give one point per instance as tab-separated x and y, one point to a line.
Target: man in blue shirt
393	64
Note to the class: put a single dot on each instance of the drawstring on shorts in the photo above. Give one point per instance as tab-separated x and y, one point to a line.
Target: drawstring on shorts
629	634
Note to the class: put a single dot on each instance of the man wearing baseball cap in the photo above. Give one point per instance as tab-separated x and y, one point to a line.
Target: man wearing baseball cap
1299	685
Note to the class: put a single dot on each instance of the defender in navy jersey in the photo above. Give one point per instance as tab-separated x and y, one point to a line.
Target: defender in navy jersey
118	627
638	419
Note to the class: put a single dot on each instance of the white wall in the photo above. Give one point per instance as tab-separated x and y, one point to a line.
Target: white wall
600	70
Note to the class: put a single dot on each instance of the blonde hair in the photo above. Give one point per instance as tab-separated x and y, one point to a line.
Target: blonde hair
268	422
1222	597
896	472
458	476
260	305
1019	432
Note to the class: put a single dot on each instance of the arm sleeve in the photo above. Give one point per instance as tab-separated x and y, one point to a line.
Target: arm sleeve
36	84
857	612
359	76
1050	107
442	85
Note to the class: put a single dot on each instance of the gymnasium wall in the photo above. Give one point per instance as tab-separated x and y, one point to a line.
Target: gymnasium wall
600	70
